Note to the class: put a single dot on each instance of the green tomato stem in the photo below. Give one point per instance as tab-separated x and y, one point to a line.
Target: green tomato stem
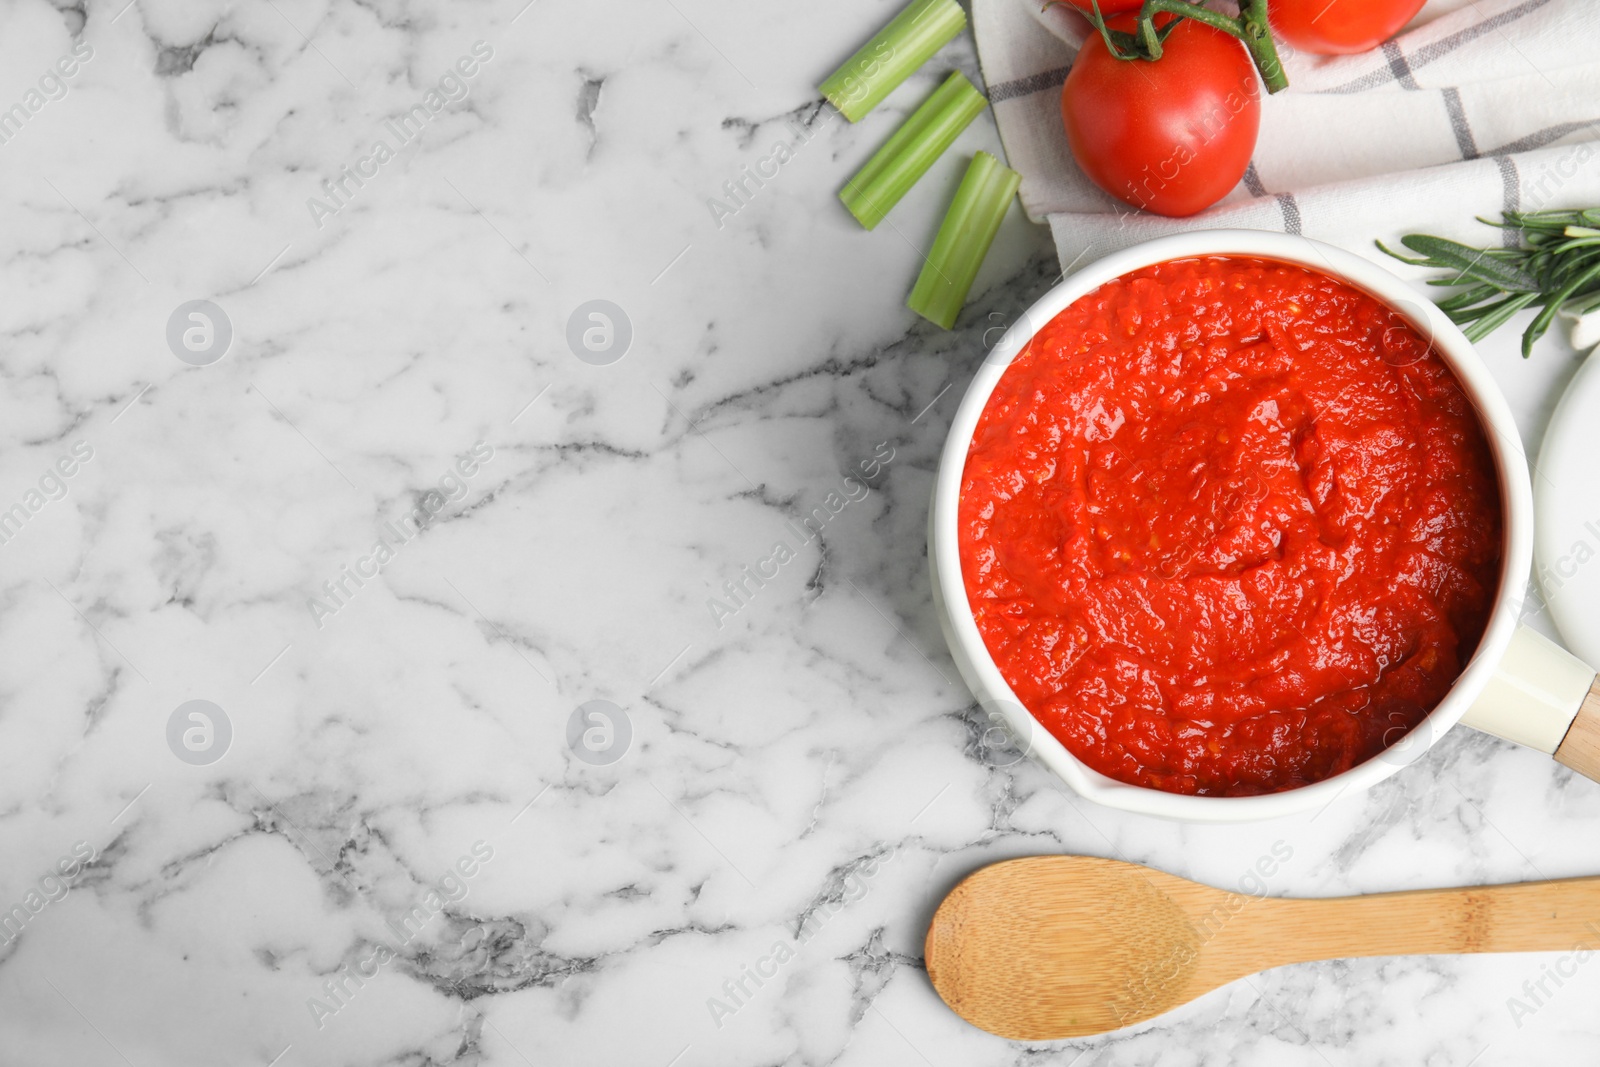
1251	29
1215	19
1258	40
1152	40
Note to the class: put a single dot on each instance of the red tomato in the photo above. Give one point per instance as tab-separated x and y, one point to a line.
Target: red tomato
1338	27
1172	136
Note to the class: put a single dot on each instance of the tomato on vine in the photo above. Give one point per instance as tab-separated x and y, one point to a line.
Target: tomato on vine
1172	136
1342	28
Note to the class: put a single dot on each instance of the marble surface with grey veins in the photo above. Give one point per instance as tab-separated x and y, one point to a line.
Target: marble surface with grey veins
478	772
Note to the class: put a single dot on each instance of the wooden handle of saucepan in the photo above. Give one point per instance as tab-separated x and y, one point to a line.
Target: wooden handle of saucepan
1580	749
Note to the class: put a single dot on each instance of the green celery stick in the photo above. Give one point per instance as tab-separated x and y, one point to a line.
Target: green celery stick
964	239
909	41
906	156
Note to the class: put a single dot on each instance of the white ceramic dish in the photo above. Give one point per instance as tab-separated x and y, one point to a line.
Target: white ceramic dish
984	678
1566	497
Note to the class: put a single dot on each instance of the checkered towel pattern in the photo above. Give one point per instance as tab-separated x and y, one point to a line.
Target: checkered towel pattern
1479	105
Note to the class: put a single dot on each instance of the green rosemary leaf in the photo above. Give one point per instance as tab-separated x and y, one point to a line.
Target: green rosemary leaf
1466	298
1407	259
1499	316
1472	262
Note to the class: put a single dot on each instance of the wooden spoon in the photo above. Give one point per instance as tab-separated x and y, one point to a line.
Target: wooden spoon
1049	947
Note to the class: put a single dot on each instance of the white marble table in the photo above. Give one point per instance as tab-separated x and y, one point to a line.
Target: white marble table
389	845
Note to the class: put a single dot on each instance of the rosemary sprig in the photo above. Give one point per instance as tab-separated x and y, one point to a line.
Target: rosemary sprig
1556	266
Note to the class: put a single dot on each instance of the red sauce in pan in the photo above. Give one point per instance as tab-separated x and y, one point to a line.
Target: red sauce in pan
1229	527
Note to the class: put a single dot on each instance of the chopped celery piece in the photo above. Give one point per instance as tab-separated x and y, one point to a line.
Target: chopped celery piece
964	239
909	41
906	156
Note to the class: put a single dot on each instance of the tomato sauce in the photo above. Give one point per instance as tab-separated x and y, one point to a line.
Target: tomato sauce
1228	527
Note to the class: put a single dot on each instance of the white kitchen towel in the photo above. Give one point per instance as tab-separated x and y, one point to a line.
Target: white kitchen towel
1480	105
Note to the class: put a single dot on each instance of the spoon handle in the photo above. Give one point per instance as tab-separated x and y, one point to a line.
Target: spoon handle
1522	917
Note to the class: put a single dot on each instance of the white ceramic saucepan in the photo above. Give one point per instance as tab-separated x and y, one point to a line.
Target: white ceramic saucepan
1518	685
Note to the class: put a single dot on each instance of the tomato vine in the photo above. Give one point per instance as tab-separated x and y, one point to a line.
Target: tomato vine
1249	27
